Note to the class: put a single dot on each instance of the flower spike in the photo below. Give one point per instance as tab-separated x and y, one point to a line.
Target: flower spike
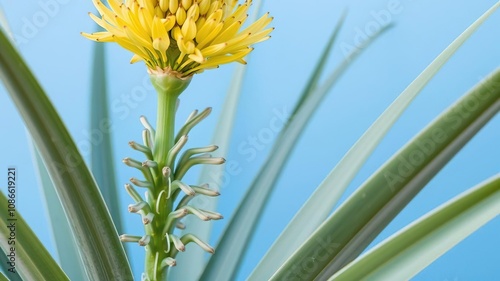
184	187
133	193
130	238
168	262
147	125
144	241
182	169
172	154
146	138
178	243
188	238
141	148
191	116
193	151
193	122
140	183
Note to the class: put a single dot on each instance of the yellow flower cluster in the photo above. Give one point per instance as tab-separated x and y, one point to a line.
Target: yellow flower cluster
180	36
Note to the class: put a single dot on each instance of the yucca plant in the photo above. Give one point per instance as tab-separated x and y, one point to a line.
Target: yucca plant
177	40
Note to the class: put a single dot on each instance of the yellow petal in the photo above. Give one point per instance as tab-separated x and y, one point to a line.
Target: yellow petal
204	6
228	33
161	40
213	49
164	5
136	58
189	29
197	56
173	5
180	15
169	22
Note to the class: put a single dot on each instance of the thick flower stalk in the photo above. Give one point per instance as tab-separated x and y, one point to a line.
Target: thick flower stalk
180	36
163	182
175	39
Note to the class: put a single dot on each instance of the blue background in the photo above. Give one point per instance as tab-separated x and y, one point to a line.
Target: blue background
278	70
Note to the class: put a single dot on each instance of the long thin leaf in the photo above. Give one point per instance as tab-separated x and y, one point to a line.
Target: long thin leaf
403	255
190	265
30	258
67	249
4	278
353	226
102	161
326	196
94	230
4	265
313	81
238	232
68	254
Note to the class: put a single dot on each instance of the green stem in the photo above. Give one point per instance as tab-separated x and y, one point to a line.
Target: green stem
164	126
168	88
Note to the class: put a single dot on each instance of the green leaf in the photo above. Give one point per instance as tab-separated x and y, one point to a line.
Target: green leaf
313	81
102	161
352	227
239	230
5	268
32	260
4	278
68	254
96	234
404	254
326	196
66	246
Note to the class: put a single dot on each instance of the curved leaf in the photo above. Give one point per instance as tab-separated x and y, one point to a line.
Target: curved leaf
404	254
326	196
67	249
5	267
102	164
32	261
94	230
352	227
237	235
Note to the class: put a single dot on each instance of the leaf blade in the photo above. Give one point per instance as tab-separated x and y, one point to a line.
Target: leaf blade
413	248
32	261
102	161
372	206
67	250
4	265
62	236
245	216
317	208
98	240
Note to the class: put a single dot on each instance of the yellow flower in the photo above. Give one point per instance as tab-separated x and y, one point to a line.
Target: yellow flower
180	36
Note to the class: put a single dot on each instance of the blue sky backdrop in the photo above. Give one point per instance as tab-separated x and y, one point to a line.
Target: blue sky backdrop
48	36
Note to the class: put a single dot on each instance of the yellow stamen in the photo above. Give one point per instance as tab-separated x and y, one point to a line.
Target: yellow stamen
181	36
